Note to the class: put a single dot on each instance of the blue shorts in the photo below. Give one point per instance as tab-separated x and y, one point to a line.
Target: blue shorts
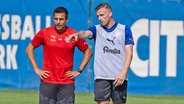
104	90
56	93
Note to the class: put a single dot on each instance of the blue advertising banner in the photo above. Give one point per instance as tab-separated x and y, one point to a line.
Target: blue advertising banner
157	25
20	20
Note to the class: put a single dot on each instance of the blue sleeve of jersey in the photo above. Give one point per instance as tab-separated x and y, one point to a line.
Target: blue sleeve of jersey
128	36
93	30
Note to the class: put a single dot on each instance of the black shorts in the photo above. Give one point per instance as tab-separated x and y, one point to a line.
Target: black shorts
104	90
56	93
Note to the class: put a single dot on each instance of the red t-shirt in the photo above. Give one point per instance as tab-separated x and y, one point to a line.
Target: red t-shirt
58	53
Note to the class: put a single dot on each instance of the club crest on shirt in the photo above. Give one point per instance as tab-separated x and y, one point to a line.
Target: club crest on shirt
67	40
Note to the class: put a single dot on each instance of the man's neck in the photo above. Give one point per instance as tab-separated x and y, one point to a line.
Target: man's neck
110	24
62	30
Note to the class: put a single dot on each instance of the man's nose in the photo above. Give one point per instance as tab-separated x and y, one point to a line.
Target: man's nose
57	21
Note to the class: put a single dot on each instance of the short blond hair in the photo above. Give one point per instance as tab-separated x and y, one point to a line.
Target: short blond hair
103	5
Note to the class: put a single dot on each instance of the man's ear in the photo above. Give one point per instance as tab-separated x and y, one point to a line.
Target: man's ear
110	14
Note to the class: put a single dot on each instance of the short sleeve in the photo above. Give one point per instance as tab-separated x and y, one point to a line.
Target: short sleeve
128	36
93	30
38	39
82	45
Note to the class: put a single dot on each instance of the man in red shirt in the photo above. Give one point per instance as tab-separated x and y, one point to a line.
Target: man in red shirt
57	77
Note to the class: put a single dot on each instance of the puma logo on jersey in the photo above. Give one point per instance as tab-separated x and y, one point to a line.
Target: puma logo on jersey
112	41
52	38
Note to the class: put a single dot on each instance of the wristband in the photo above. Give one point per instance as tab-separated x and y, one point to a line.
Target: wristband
79	70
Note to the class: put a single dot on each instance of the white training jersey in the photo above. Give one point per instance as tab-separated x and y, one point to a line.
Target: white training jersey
109	49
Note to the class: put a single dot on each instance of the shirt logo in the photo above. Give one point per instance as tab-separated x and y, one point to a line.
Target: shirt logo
59	39
111	40
106	49
52	38
131	39
67	40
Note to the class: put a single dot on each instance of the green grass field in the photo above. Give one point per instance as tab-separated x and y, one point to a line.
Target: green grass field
31	97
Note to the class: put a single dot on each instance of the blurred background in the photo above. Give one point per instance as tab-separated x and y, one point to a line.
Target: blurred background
158	28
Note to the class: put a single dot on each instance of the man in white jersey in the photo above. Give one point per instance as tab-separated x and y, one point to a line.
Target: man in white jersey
113	55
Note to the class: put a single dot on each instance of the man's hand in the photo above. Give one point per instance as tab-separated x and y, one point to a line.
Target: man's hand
119	79
72	74
42	74
72	37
